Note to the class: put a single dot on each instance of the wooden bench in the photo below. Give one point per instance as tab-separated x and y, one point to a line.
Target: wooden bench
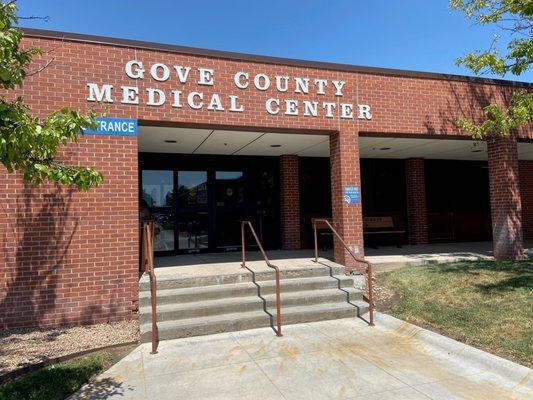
375	226
372	227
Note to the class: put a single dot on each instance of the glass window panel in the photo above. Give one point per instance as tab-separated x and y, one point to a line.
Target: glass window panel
193	230
192	188
164	232
229	188
157	188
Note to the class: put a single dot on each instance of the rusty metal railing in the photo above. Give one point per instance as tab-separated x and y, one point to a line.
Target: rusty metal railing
357	259
274	267
147	257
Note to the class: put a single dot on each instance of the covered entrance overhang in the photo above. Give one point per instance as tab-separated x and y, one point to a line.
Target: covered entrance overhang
429	190
199	184
454	189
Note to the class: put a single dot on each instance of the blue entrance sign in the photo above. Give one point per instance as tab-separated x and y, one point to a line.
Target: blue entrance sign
351	194
114	126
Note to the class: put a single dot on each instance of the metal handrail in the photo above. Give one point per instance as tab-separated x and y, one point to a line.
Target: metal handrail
276	269
148	233
357	259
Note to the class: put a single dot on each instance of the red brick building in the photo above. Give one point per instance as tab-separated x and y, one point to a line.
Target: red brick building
223	137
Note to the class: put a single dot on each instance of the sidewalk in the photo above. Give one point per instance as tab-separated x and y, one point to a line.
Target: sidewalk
339	359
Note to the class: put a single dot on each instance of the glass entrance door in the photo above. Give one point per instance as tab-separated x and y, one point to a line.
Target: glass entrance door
192	209
157	203
230	201
199	202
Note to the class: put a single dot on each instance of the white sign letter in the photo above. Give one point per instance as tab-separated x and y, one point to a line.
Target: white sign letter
257	82
183	73
155	75
233	104
192	104
346	110
302	85
206	77
176	103
97	94
282	87
329	109
138	73
311	108
364	111
338	85
269	108
152	97
130	95
320	85
237	79
291	107
215	104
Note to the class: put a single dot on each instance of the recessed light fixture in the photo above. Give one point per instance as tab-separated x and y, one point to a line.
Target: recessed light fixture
275	145
171	141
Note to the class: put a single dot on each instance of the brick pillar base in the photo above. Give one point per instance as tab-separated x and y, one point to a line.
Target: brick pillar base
416	201
347	218
505	202
290	202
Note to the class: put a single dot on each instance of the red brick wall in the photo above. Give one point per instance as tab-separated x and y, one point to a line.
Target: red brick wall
92	237
290	202
70	257
505	202
406	105
416	201
526	192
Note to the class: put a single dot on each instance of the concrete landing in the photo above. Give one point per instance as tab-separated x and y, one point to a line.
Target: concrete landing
339	359
384	258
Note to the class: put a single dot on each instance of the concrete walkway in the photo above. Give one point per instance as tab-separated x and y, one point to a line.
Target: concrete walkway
339	359
384	258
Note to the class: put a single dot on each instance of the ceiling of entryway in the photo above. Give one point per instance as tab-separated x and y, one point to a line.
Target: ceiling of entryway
208	141
445	149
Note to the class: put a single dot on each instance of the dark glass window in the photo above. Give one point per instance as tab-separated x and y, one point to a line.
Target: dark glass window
157	188
192	188
193	230
229	188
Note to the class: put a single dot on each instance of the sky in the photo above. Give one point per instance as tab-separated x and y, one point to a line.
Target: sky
418	35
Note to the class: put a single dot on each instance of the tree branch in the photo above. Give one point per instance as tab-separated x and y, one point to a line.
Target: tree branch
41	68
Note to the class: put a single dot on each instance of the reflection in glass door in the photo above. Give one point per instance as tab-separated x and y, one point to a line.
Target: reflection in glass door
192	211
230	208
157	202
198	203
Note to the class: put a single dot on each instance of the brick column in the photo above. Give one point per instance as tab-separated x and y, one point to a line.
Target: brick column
290	202
526	192
505	202
416	200
347	218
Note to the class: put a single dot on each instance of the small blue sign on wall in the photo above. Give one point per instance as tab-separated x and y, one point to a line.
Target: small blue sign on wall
114	126
351	194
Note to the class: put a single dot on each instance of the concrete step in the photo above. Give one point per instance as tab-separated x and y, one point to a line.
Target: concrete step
212	292
233	305
242	275
252	319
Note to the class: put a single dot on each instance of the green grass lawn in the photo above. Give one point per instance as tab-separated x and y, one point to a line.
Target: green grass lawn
487	304
56	381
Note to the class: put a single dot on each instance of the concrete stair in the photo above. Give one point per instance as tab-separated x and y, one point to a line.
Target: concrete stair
193	306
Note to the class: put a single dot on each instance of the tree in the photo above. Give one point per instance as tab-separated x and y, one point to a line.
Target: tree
27	143
514	18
